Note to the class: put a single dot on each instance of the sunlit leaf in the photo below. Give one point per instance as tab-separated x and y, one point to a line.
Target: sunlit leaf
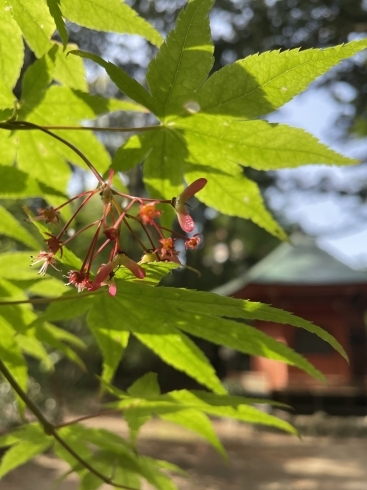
7	98
159	333
111	334
261	83
133	151
11	48
36	23
15	183
11	227
123	81
170	307
214	140
114	16
54	7
69	70
7	149
36	81
183	61
162	178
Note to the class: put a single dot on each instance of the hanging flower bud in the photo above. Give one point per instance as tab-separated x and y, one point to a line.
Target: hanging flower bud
185	220
111	233
54	244
192	242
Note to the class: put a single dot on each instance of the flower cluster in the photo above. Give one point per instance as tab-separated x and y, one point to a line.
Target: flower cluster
160	241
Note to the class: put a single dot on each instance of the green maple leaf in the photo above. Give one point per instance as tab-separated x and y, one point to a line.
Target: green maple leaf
11	48
54	7
111	16
261	83
143	400
35	21
204	130
25	443
183	61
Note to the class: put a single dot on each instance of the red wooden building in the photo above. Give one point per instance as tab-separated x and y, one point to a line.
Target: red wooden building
309	282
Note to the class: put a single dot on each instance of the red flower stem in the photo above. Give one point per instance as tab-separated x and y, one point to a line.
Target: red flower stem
135	236
143	199
157	228
117	239
117	204
76	197
102	247
75	213
126	196
123	213
184	237
90	252
130	216
27	125
79	232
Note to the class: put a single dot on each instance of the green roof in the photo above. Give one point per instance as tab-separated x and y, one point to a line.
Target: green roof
300	263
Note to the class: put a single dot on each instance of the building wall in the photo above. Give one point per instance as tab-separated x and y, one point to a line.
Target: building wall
328	307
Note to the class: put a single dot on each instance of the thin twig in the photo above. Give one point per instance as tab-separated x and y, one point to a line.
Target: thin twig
51	430
19	125
10	125
87	417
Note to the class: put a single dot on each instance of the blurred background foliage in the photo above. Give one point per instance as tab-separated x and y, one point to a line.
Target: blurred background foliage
230	245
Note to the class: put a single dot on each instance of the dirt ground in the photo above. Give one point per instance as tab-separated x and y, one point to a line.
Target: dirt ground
257	460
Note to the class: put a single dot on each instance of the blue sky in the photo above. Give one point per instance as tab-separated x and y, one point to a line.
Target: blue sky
329	217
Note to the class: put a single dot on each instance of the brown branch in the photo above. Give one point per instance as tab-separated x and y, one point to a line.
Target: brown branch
13	125
51	430
88	417
24	125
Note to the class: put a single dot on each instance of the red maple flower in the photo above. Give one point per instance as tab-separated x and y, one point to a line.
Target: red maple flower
168	246
80	280
192	242
168	251
148	212
47	259
50	215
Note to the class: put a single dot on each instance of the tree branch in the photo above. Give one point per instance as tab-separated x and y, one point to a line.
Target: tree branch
10	125
24	125
51	430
